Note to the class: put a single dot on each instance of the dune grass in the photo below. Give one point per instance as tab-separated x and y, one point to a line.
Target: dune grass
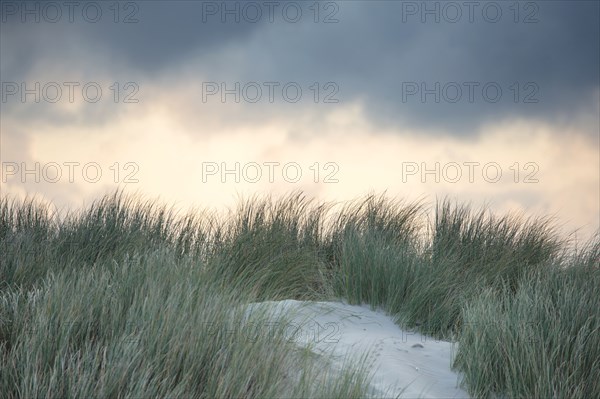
128	298
541	341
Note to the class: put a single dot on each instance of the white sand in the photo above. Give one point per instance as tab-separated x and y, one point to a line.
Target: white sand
404	363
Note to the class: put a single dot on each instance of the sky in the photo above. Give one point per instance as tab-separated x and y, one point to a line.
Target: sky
199	103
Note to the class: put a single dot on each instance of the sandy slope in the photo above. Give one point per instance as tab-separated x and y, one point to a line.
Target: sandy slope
401	360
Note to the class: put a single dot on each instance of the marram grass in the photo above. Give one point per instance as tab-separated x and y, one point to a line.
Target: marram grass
129	298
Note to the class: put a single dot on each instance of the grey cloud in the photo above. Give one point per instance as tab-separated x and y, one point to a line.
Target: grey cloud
550	68
369	54
148	36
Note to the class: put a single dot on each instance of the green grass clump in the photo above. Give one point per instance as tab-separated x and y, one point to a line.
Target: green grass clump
542	341
470	251
273	247
147	326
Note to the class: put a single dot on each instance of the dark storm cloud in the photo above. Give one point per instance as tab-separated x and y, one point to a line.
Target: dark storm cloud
549	69
382	52
148	35
97	42
168	31
546	69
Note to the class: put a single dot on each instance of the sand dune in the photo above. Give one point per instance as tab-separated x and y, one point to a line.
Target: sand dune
404	363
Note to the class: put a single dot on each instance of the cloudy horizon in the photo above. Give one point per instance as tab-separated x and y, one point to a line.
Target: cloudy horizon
196	102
